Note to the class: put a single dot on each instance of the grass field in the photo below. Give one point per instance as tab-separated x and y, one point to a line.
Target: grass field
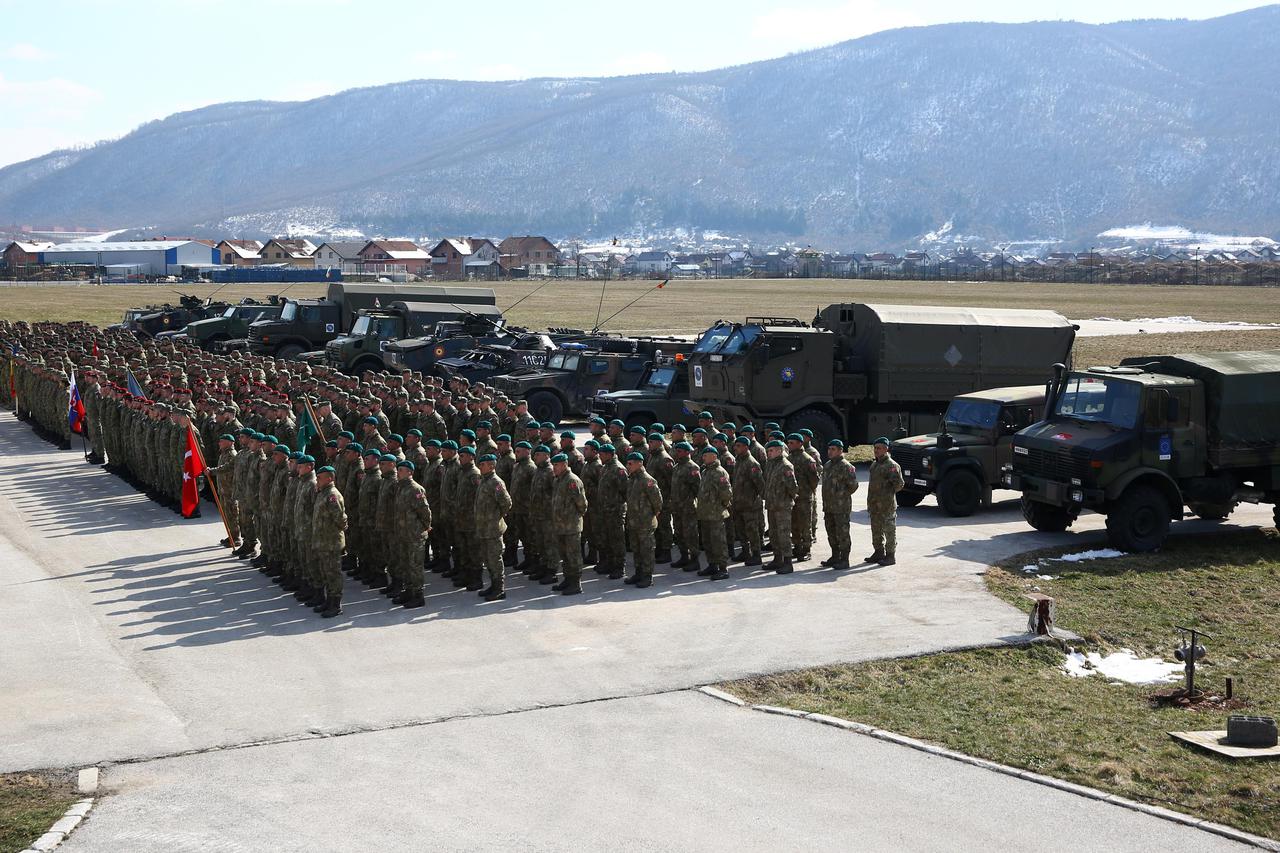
1015	706
690	306
30	803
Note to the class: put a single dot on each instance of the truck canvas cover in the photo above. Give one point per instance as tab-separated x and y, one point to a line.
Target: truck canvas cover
915	353
1242	398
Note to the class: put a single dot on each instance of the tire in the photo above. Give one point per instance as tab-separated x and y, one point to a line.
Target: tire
545	406
1211	512
907	498
823	426
960	493
289	351
1139	521
1045	517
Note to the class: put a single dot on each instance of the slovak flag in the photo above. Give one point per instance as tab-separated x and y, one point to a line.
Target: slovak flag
75	411
192	468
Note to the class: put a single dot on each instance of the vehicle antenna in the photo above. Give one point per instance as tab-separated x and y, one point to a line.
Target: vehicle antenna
599	307
530	293
657	286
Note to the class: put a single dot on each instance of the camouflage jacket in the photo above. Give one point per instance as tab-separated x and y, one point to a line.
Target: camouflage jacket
715	494
660	467
568	503
748	482
540	492
839	482
685	479
303	503
384	514
644	501
365	505
492	504
780	485
522	485
806	475
884	482
612	488
328	521
225	473
412	514
447	473
465	483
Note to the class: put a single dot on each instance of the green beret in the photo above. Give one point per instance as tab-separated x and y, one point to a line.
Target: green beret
679	428
468	449
795	436
271	438
469	433
405	463
634	457
327	469
720	437
356	446
396	437
607	448
773	425
296	455
699	431
526	445
597	420
435	442
659	427
388	457
374	452
542	448
370	420
488	457
592	443
881	440
683	445
567	434
449	444
728	427
616	422
806	432
546	425
280	448
705	414
743	440
636	428
777	433
307	459
245	431
835	442
774	443
559	457
333	442
415	431
228	437
710	449
655	436
347	434
484	425
746	428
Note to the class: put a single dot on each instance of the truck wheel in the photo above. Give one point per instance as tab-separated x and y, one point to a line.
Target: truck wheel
960	493
1211	512
822	425
907	498
1139	521
1045	517
545	406
289	351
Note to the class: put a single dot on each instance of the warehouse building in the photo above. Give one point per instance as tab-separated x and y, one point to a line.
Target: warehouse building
152	257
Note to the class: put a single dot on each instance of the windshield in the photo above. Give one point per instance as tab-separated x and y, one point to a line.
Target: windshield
361	327
289	312
971	415
388	327
1109	401
660	378
727	340
230	312
712	338
132	315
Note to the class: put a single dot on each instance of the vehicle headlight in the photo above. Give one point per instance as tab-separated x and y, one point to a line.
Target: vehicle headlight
927	464
1077	496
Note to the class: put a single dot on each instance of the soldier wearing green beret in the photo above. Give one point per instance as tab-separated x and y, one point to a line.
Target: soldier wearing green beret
521	491
543	486
612	494
365	512
409	534
686	476
644	504
779	500
715	498
839	482
568	507
466	558
310	588
328	526
884	483
224	474
492	504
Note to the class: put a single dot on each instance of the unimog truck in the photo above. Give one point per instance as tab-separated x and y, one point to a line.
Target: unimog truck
861	371
1145	441
372	332
963	462
212	332
155	320
657	398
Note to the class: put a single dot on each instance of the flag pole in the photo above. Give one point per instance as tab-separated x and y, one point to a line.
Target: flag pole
191	436
315	421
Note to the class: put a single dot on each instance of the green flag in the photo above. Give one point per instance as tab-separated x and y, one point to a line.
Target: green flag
306	428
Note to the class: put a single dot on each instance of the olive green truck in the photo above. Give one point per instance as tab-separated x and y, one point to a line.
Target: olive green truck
1142	442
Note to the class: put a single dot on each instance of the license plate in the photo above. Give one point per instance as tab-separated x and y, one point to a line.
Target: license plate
920	482
906	473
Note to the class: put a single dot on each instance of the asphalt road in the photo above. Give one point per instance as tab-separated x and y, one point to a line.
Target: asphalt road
129	634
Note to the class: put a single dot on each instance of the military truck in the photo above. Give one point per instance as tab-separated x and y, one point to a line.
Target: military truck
1142	441
489	360
212	332
454	338
657	398
153	320
577	372
309	324
364	347
964	461
861	371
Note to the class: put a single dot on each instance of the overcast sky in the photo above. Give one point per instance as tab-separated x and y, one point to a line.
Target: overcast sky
76	71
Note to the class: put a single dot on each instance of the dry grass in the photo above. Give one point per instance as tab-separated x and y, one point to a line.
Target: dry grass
30	803
1016	707
691	306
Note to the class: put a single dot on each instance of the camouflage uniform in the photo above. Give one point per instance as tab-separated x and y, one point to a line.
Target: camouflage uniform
685	479
304	503
521	493
590	477
568	506
226	482
247	476
748	508
465	554
715	497
660	465
327	525
644	504
492	504
539	501
883	485
779	499
446	473
839	482
806	476
412	522
367	547
612	493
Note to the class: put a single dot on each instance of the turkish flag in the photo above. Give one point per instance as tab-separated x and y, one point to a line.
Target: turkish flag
192	468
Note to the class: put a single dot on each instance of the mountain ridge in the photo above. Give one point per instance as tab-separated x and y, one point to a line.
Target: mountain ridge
1051	129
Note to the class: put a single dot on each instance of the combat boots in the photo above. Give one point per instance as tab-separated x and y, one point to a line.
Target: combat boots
414	600
571	588
349	564
876	556
392	589
887	560
332	607
785	567
708	571
683	561
721	573
661	556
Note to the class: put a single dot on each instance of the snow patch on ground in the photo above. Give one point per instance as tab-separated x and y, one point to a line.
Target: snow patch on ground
1123	665
1097	554
1099	327
1176	236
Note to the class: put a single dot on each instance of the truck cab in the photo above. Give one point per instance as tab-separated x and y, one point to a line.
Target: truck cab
965	460
658	398
1141	441
232	323
301	324
372	331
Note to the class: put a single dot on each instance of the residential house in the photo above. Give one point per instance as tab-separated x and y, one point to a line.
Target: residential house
405	253
842	266
20	253
810	263
336	255
650	263
290	252
459	258
882	262
1059	259
240	253
536	255
685	271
